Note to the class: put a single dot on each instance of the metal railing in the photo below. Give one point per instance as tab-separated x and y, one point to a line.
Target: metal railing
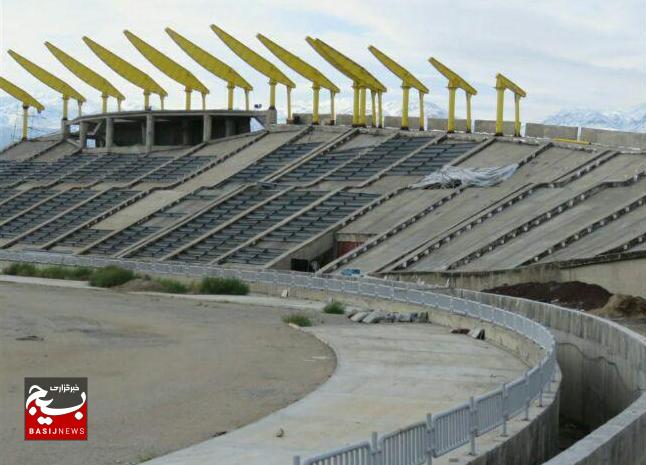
420	442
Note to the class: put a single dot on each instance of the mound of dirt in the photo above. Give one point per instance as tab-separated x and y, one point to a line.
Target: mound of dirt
623	306
572	294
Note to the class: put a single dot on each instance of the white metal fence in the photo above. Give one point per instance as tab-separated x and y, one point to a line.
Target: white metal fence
420	442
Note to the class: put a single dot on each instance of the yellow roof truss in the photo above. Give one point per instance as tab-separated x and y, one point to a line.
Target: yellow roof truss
253	59
84	73
125	69
299	65
47	78
166	65
407	78
19	94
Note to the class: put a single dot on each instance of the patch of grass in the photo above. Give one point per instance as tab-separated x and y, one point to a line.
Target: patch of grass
80	273
50	272
20	269
111	276
172	286
298	319
229	286
335	308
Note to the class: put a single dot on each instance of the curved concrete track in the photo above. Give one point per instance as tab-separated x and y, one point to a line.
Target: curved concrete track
387	376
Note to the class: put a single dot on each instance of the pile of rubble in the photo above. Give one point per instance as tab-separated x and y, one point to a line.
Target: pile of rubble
378	316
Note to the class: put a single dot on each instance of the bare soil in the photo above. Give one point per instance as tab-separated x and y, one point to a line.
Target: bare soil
163	373
572	294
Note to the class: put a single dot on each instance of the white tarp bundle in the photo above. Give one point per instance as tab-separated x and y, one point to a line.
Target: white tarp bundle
453	176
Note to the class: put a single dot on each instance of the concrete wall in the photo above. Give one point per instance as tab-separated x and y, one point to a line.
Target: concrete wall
306	118
551	131
440	124
489	126
396	122
616	138
604	376
622	276
344	120
392	121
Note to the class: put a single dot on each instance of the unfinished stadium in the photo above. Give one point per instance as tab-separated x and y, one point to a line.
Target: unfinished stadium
395	214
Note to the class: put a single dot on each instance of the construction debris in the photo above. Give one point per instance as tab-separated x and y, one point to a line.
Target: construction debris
378	316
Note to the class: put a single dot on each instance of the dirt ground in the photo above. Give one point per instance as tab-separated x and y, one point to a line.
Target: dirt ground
163	373
572	294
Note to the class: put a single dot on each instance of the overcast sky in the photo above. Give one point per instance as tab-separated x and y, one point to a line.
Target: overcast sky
576	53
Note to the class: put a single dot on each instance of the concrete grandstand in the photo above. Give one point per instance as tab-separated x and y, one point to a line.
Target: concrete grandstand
319	198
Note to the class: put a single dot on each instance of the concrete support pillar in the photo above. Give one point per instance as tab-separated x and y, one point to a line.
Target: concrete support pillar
65	129
405	93
109	133
229	127
516	115
362	107
207	128
25	121
83	134
450	126
500	106
150	132
186	136
272	116
356	118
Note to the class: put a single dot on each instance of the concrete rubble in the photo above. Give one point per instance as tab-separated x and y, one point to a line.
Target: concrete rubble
378	316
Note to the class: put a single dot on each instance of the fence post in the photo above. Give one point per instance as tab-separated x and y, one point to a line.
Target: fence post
473	427
297	460
527	399
374	449
505	409
429	439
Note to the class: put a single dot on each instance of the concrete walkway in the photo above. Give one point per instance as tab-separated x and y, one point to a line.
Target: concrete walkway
387	376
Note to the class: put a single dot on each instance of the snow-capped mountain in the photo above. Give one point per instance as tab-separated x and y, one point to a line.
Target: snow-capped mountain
344	105
632	120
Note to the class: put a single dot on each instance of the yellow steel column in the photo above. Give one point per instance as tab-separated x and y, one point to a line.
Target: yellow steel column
355	106
450	127
405	92
230	88
517	116
147	100
66	100
104	103
161	99
272	94
468	129
500	105
289	105
373	107
246	99
362	107
332	114
119	105
188	98
80	106
421	110
203	101
315	105
25	121
381	111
